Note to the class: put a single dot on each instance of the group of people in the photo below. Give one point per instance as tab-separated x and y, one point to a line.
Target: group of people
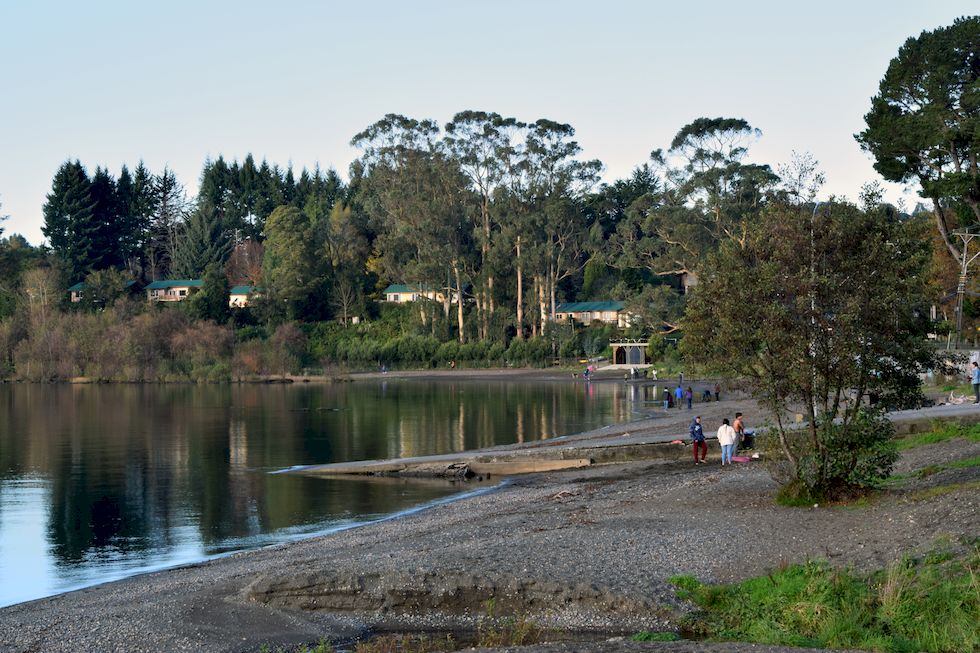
730	435
680	395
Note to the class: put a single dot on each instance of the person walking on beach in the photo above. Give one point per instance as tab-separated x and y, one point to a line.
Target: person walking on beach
739	428
678	395
726	438
689	395
717	392
975	380
697	437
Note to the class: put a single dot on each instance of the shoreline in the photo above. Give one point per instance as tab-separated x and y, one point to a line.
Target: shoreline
586	550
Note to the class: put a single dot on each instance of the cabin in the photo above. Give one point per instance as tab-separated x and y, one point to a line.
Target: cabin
688	281
400	293
76	291
172	290
609	311
240	296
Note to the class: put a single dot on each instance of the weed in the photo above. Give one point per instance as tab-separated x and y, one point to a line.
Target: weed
941	433
942	490
932	604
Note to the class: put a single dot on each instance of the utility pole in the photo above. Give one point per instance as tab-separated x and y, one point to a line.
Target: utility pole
966	236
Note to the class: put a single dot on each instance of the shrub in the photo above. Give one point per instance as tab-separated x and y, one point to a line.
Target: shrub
856	455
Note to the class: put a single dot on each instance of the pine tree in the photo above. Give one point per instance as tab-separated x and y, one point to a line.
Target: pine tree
105	222
202	242
169	211
68	218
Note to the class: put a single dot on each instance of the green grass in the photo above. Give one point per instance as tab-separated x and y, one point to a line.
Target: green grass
932	604
941	433
941	490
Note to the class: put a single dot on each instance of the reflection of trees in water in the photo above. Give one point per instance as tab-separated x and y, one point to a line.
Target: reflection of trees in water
130	464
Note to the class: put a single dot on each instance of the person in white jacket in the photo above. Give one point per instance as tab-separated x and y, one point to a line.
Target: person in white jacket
726	438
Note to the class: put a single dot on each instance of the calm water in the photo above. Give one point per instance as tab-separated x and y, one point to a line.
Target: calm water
101	482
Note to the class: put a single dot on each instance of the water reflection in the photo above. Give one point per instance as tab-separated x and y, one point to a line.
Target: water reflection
98	482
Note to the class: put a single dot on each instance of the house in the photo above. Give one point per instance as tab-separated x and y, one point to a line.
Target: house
239	296
400	293
75	292
609	311
688	281
172	290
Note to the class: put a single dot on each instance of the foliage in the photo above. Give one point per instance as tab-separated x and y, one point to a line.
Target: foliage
828	310
103	288
202	242
913	605
211	302
922	123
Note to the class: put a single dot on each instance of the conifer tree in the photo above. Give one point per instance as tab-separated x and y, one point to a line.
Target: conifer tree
202	241
68	218
105	222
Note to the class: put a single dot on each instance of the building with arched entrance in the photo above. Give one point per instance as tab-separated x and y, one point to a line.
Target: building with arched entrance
630	352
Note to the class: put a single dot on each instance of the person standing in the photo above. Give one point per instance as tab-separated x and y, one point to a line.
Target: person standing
678	395
975	380
717	392
689	395
726	438
739	428
697	437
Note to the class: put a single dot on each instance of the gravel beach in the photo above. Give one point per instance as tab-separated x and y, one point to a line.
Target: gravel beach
587	551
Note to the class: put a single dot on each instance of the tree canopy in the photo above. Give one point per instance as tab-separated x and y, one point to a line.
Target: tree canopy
924	123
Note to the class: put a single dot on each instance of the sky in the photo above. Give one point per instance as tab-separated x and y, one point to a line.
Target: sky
172	83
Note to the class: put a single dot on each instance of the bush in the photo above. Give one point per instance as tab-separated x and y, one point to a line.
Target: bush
853	456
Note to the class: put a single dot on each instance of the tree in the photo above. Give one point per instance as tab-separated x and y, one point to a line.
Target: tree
169	212
483	144
211	303
201	242
287	269
103	288
837	317
68	224
922	126
416	195
106	224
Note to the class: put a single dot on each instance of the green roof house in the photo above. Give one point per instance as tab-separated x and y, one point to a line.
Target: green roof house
239	296
609	311
399	293
172	290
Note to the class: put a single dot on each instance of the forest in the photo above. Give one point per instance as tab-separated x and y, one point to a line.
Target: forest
505	213
505	210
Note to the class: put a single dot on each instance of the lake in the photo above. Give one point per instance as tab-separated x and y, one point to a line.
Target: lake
100	482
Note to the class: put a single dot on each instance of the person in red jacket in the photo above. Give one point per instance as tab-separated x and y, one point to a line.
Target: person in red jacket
697	436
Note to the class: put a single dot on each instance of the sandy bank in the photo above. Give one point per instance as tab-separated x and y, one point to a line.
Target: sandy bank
584	550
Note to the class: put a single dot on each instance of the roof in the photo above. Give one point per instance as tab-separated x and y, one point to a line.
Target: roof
245	290
582	307
81	285
175	283
400	287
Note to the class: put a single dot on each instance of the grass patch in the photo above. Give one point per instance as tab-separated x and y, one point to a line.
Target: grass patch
930	605
941	433
942	490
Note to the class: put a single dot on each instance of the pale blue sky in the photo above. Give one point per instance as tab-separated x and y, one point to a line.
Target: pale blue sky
174	82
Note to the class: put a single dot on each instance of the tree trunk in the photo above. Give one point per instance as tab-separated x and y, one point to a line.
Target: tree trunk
459	304
520	292
543	311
